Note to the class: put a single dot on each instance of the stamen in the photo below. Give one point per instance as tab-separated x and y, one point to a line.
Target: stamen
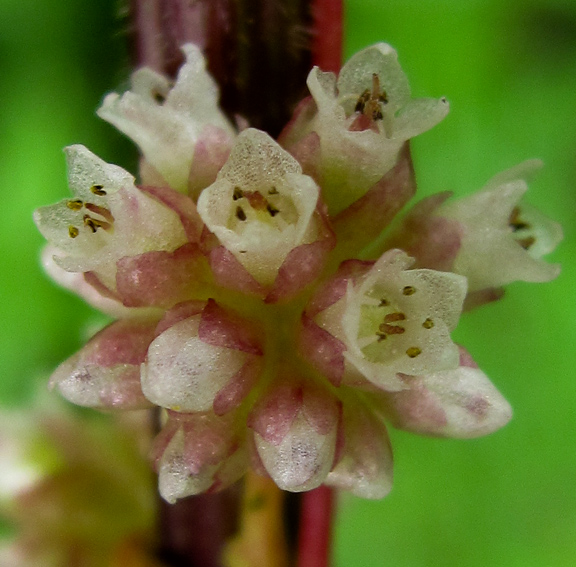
392	317
409	290
102	211
428	324
240	214
238	194
383	303
381	336
94	224
272	210
73	231
98	190
159	97
413	352
75	204
273	191
362	101
526	242
391	329
514	221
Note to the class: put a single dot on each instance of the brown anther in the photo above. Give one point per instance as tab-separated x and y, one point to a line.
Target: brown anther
75	204
240	214
383	303
526	242
73	231
238	194
159	97
272	210
409	290
94	224
381	336
102	211
393	317
413	352
98	190
370	101
514	221
273	191
362	100
428	324
391	329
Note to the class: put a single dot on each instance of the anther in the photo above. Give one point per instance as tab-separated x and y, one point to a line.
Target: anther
238	194
98	190
428	324
514	220
381	336
413	352
526	242
94	224
272	210
75	204
273	191
240	214
409	290
73	231
393	317
383	303
391	329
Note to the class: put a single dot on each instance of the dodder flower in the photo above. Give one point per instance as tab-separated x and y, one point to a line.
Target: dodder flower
250	320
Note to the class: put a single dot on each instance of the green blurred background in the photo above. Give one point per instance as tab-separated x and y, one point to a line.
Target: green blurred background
509	70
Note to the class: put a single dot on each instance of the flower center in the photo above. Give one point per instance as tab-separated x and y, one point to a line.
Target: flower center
103	217
370	102
520	229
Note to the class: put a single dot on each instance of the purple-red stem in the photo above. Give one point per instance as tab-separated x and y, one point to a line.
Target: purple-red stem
315	530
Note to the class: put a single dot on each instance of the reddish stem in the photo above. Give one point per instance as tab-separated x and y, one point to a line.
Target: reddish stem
315	531
327	34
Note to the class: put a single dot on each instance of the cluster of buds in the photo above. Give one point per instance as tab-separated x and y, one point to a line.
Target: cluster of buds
260	300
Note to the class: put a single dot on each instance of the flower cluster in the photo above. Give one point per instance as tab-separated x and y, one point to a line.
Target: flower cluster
247	306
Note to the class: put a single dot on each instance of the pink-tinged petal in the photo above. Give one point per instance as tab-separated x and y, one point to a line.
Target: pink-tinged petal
301	267
239	386
160	278
198	453
366	218
320	409
365	466
92	279
298	126
323	350
460	403
210	154
179	313
219	327
481	297
433	241
274	414
106	372
308	153
230	273
335	289
182	205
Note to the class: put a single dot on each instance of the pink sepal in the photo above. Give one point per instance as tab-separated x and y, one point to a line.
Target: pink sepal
460	403
179	313
366	218
320	409
105	374
273	415
219	327
482	297
231	274
92	278
297	127
239	386
323	350
335	289
433	241
305	262
160	279
182	205
210	153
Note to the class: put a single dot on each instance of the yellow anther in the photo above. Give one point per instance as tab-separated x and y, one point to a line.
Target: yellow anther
428	324
391	329
75	204
73	231
409	290
98	190
396	316
413	352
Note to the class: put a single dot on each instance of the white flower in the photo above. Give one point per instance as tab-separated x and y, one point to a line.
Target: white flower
503	240
364	117
261	206
394	320
166	121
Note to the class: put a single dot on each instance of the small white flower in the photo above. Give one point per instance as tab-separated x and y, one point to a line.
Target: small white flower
503	241
261	205
364	117
166	121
